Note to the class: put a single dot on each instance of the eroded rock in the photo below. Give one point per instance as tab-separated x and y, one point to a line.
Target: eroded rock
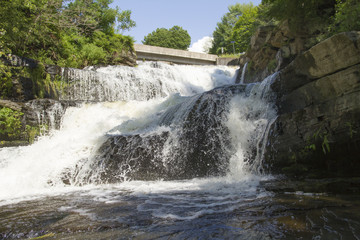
317	132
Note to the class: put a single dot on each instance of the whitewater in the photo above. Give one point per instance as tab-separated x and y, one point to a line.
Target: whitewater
34	170
55	187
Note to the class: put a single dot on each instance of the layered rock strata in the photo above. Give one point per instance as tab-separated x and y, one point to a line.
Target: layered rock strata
317	132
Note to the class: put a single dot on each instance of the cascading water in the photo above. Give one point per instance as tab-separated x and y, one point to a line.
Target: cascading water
173	137
156	151
84	129
149	80
243	72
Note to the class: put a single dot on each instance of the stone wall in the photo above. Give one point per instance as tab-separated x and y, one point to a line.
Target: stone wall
317	132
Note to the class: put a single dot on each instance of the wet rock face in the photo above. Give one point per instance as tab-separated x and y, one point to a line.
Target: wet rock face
130	157
196	144
271	49
40	114
45	112
317	132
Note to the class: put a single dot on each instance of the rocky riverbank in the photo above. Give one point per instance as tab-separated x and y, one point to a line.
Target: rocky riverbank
317	132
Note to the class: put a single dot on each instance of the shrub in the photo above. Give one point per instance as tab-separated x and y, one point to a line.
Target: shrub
93	54
347	16
10	122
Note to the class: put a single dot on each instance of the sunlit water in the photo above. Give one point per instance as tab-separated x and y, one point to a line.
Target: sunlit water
242	204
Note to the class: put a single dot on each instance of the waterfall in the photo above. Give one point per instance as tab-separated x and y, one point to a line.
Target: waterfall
147	81
243	73
152	122
47	114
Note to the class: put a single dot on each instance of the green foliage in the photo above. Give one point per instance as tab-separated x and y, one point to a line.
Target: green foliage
235	29
37	76
101	48
346	16
10	122
5	71
325	144
62	32
223	31
304	17
320	137
93	54
351	129
124	20
175	37
11	126
300	13
6	84
31	133
245	27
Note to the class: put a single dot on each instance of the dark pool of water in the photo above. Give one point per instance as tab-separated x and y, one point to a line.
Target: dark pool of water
277	209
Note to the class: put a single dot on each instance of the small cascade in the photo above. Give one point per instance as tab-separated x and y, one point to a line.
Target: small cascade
242	79
46	113
249	122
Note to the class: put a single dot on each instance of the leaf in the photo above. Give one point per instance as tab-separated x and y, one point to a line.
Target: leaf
325	145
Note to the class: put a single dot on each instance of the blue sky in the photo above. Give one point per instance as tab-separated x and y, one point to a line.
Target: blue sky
198	17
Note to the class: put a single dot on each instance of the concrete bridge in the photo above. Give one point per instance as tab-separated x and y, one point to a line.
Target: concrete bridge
147	52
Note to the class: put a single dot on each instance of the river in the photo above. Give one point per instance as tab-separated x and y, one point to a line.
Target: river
67	186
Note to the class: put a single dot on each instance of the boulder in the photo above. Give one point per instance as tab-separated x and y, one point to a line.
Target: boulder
194	142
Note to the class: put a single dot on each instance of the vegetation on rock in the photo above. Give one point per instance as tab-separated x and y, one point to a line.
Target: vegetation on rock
305	18
14	131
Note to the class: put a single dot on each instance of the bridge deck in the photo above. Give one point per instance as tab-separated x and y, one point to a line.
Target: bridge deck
173	55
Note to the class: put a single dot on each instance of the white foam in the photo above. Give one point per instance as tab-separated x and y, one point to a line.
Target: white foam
36	168
148	80
34	171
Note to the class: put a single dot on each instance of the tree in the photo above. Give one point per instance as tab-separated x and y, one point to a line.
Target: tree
223	31
175	37
245	27
346	16
301	14
29	24
64	32
124	20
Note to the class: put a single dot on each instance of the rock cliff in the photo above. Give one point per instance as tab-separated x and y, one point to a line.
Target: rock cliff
317	132
273	47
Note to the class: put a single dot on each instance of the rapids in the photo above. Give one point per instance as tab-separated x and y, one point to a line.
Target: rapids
159	152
